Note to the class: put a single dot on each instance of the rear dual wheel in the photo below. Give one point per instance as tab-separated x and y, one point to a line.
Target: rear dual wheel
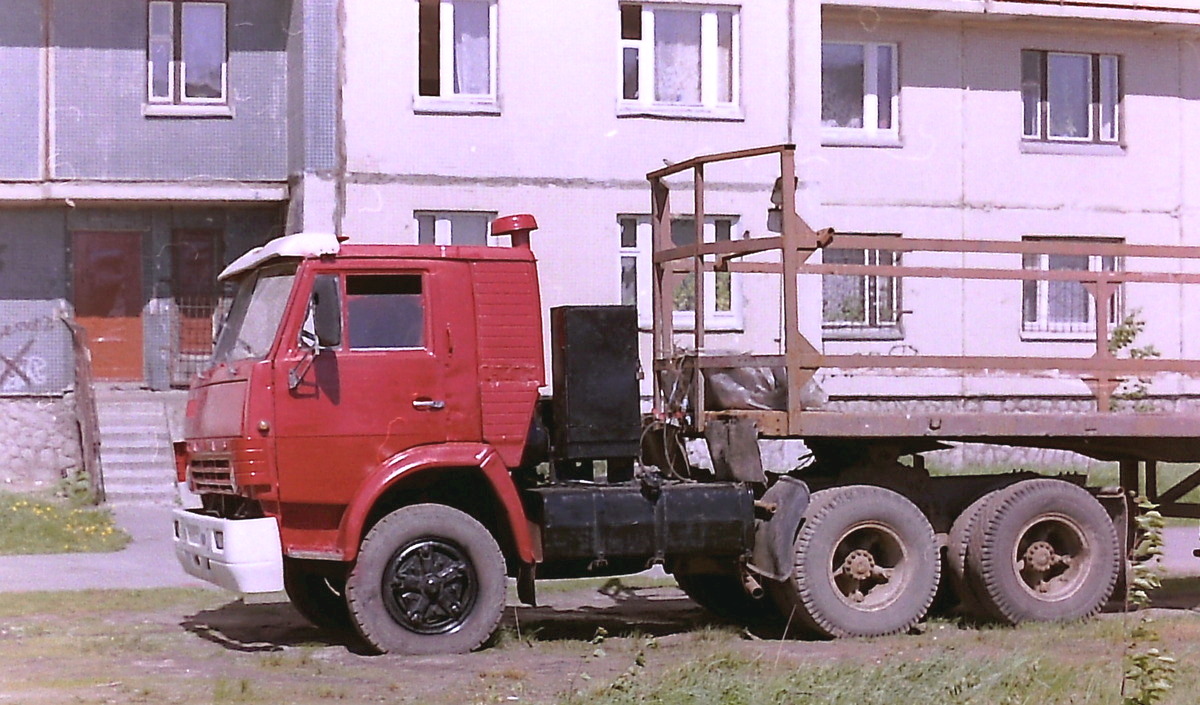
725	595
1042	550
866	564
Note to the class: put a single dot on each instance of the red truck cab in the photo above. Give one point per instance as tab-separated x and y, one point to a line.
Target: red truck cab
343	376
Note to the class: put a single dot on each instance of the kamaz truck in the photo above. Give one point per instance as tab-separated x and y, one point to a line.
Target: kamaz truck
376	437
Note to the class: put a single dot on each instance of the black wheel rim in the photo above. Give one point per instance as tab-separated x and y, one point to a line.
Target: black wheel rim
429	586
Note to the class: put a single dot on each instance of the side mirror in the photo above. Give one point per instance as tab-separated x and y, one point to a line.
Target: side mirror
326	311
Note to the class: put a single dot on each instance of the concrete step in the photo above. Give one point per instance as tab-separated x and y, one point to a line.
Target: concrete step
123	497
135	444
139	483
135	453
152	470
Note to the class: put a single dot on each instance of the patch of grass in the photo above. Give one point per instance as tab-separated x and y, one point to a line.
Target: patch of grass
31	524
99	602
239	691
947	678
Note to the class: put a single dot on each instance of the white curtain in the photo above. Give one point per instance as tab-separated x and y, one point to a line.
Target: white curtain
677	56
472	48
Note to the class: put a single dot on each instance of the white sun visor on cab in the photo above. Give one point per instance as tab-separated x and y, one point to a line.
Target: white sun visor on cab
296	245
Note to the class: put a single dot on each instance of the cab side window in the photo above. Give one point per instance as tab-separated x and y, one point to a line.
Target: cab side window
385	311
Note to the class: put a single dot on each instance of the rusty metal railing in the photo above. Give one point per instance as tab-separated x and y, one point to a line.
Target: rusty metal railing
1130	438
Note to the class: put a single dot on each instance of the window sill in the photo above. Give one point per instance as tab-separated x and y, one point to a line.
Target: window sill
432	105
645	325
668	111
1088	149
890	333
1046	336
860	138
187	111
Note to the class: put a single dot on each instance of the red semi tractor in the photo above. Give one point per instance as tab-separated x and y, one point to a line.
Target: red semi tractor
371	439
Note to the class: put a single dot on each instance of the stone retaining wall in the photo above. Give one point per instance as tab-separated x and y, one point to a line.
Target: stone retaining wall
39	442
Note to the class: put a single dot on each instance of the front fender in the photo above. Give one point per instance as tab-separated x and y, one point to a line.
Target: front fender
424	459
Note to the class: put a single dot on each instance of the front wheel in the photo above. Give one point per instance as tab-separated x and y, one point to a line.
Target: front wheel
318	598
866	564
429	579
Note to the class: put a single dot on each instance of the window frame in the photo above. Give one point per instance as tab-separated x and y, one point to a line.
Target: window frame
1096	107
714	320
1042	328
177	101
348	344
443	227
709	107
871	327
450	102
870	132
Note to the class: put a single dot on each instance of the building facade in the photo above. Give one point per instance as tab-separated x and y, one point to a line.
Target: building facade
152	141
1010	121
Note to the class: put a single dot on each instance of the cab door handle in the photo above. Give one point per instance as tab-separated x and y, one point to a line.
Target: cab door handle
428	404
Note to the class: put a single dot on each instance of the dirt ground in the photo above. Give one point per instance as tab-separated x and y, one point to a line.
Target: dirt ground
199	646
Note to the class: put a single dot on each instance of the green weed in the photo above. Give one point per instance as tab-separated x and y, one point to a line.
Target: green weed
30	524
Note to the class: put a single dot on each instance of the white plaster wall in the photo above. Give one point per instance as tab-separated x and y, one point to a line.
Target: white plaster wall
558	89
961	173
559	150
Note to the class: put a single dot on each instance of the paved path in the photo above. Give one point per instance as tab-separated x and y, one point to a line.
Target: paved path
149	560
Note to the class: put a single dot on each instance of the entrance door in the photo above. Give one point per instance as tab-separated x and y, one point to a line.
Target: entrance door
194	256
107	276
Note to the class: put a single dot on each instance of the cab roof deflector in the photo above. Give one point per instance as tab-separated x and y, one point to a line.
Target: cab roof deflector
295	245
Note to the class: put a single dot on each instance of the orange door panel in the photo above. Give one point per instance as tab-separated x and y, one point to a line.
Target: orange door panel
107	277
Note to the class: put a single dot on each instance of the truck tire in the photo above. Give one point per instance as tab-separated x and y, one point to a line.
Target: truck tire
1043	550
958	542
319	599
430	579
723	595
867	564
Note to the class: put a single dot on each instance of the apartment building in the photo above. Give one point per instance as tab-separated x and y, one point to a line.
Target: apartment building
152	141
1011	121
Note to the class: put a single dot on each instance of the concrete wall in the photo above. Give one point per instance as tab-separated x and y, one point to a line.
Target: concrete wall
556	145
20	71
961	171
100	131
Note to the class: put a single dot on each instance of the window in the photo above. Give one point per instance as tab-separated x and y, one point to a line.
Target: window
455	228
385	311
678	59
187	54
859	88
1071	97
855	305
721	289
1059	307
457	53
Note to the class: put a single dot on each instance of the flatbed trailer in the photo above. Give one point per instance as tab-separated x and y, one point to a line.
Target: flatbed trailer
1137	438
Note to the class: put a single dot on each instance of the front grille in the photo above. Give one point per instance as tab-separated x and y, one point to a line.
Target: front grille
211	475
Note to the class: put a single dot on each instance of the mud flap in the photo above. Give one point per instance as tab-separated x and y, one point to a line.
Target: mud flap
772	555
1121	510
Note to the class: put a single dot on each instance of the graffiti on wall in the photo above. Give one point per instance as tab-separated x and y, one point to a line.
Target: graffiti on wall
21	370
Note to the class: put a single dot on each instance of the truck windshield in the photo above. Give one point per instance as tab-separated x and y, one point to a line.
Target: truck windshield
255	314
